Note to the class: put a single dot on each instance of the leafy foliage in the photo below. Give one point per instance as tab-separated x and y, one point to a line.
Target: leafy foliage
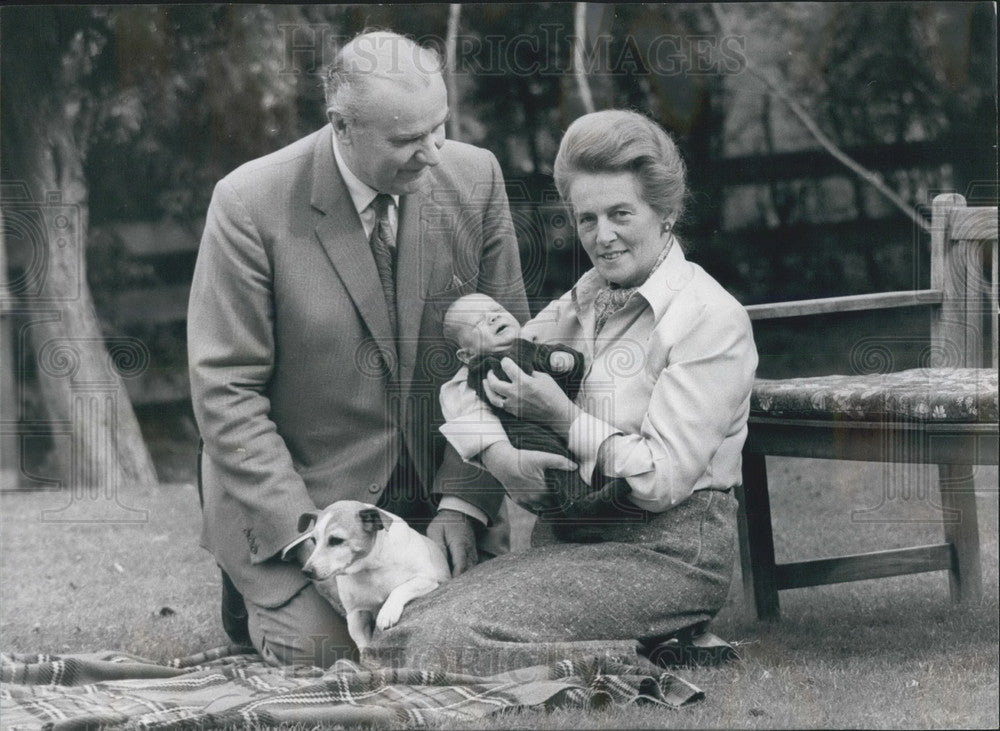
178	95
190	93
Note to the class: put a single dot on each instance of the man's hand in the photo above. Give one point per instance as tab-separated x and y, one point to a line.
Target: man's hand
455	533
522	473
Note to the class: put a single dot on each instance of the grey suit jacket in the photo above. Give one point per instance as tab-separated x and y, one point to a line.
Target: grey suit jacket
301	393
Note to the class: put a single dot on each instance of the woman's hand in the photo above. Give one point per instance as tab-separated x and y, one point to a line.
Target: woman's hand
536	397
522	473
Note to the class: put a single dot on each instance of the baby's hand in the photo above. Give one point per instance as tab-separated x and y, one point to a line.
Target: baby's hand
561	362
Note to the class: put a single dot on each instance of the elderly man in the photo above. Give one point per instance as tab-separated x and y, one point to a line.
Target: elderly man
315	336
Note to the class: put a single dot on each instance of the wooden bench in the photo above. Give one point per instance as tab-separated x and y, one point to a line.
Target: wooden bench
945	415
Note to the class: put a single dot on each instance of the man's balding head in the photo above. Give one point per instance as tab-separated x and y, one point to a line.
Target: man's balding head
388	105
378	58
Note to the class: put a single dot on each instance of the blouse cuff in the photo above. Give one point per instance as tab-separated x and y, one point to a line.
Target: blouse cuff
586	435
450	502
470	436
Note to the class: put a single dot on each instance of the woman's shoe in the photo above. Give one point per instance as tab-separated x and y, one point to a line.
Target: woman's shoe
691	646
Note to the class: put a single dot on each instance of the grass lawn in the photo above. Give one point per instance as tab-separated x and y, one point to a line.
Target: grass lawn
875	654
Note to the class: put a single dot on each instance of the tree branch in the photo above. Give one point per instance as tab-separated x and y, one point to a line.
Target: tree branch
579	68
829	145
450	50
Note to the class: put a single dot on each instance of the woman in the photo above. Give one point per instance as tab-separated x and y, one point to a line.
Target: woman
663	405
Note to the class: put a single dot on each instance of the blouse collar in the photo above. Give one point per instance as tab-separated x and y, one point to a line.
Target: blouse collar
658	290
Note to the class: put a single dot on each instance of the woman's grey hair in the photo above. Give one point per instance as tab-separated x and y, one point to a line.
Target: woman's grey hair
377	54
618	141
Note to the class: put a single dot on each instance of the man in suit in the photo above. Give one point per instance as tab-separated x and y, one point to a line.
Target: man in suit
315	335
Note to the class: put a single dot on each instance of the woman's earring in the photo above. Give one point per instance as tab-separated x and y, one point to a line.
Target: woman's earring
666	228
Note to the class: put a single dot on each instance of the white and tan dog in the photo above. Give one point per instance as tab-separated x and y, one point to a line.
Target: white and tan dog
372	561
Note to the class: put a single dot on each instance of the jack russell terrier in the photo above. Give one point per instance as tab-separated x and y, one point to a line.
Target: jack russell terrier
371	560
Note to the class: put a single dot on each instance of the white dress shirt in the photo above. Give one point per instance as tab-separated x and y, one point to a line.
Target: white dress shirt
363	194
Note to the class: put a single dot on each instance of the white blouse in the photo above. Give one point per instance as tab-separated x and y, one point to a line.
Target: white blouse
667	382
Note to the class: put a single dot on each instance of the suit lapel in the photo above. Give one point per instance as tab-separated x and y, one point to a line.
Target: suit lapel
343	238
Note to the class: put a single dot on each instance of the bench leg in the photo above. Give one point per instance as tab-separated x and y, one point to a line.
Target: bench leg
756	539
957	494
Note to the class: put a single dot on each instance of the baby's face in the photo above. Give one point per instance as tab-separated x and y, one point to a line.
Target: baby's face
481	325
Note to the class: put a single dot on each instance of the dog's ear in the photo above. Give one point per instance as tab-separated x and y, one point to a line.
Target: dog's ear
373	519
386	519
307	521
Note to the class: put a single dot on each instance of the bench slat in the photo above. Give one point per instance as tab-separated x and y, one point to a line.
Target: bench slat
874	565
161	305
848	303
974	224
897	441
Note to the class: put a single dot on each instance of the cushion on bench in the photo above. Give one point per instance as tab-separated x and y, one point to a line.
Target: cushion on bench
959	395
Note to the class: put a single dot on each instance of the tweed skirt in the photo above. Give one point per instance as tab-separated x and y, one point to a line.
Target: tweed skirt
647	579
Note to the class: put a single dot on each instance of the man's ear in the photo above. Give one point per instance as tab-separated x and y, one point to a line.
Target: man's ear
340	126
464	355
373	519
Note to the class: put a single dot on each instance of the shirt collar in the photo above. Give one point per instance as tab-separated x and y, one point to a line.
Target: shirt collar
362	194
658	290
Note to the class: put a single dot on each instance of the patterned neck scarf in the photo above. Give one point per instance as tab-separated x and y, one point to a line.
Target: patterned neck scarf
612	298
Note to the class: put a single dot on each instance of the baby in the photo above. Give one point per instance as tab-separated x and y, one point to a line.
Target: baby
485	334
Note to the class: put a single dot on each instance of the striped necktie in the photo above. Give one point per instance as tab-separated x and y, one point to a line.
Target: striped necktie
383	241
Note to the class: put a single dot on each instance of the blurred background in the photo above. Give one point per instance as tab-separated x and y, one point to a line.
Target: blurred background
117	122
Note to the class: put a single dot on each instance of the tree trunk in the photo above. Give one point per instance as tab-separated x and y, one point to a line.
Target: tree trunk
451	71
9	452
80	377
579	65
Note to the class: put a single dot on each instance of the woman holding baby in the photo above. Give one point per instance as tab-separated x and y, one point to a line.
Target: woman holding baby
662	406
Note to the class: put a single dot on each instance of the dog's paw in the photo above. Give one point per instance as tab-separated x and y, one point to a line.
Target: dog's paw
359	627
389	614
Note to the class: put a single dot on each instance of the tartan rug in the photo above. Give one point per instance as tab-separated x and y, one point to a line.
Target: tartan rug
232	686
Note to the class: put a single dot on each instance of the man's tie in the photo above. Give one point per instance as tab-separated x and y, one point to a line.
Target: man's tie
384	250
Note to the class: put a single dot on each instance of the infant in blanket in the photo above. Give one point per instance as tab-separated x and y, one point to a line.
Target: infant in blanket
485	334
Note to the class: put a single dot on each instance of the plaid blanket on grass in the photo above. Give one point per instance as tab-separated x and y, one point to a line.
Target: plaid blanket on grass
233	687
